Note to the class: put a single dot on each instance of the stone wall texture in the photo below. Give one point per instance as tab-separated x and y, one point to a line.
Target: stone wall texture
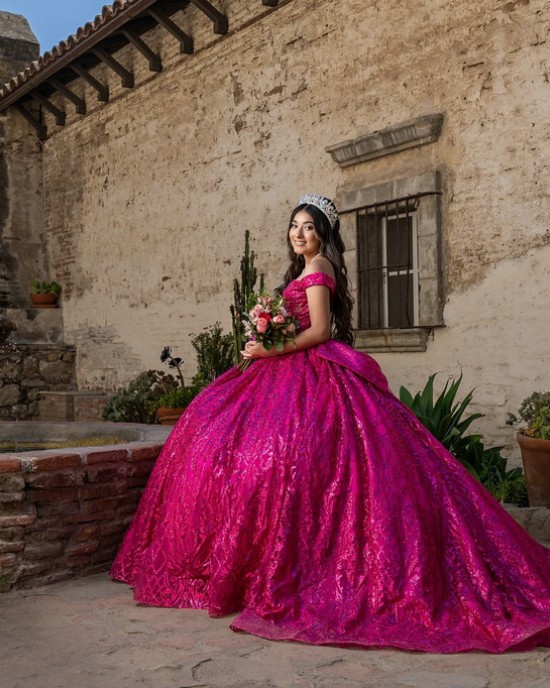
64	512
28	369
146	198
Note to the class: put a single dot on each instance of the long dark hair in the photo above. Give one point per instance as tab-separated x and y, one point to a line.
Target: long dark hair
332	247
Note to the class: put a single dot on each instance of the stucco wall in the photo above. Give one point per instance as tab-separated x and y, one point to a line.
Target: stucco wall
147	198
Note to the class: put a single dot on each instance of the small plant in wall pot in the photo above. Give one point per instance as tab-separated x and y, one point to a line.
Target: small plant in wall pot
45	294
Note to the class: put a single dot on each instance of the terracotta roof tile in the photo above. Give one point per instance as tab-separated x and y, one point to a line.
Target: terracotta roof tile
108	13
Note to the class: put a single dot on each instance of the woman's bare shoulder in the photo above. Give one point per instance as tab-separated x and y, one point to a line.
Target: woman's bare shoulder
320	264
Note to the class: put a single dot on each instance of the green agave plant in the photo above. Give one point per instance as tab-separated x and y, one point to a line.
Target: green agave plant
443	416
448	421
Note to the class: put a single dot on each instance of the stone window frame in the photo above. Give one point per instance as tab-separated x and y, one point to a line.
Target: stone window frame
430	298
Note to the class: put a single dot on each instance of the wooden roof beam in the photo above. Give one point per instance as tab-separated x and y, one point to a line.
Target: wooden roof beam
36	124
102	90
155	64
80	103
162	19
59	115
220	20
126	76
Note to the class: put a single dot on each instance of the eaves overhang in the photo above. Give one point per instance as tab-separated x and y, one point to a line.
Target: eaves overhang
112	17
125	22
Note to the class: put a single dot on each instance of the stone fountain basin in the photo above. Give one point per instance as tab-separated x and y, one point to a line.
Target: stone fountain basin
41	431
63	512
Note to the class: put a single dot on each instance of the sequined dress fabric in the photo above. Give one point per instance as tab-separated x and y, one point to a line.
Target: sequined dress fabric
303	495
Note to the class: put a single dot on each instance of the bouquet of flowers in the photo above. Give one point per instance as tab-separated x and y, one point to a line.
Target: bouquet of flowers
267	321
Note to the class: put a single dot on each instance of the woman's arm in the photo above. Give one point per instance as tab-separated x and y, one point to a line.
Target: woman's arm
318	300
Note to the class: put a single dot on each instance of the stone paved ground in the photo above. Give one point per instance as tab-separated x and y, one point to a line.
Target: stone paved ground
88	633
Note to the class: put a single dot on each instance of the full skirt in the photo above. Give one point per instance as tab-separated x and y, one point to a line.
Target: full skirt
305	496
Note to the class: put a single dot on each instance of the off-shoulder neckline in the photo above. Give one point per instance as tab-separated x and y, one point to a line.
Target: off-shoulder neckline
317	272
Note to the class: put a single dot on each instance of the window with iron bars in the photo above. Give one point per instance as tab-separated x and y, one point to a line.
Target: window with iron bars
388	264
394	231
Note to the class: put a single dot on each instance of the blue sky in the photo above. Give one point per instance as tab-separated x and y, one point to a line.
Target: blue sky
53	20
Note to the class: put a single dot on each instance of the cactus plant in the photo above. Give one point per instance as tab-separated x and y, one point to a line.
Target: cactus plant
241	292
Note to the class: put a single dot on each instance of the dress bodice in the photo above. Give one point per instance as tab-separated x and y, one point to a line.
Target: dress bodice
296	303
296	298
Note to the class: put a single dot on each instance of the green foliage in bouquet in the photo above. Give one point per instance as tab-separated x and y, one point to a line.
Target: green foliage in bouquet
448	421
266	320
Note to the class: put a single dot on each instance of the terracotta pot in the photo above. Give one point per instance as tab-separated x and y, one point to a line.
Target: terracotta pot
169	416
535	454
44	300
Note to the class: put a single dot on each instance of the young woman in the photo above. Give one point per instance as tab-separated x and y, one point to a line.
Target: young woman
302	494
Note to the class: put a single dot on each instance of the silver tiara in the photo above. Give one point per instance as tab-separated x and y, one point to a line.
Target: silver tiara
324	204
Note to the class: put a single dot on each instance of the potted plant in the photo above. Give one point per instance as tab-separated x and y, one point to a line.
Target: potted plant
45	294
534	443
174	402
170	405
214	356
137	402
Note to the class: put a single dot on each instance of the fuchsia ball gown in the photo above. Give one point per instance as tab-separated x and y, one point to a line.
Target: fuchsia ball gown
304	495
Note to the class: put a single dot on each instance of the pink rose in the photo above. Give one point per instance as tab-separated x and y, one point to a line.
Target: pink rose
278	319
291	327
257	310
262	325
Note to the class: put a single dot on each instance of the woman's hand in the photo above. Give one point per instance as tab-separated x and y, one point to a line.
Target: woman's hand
256	350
